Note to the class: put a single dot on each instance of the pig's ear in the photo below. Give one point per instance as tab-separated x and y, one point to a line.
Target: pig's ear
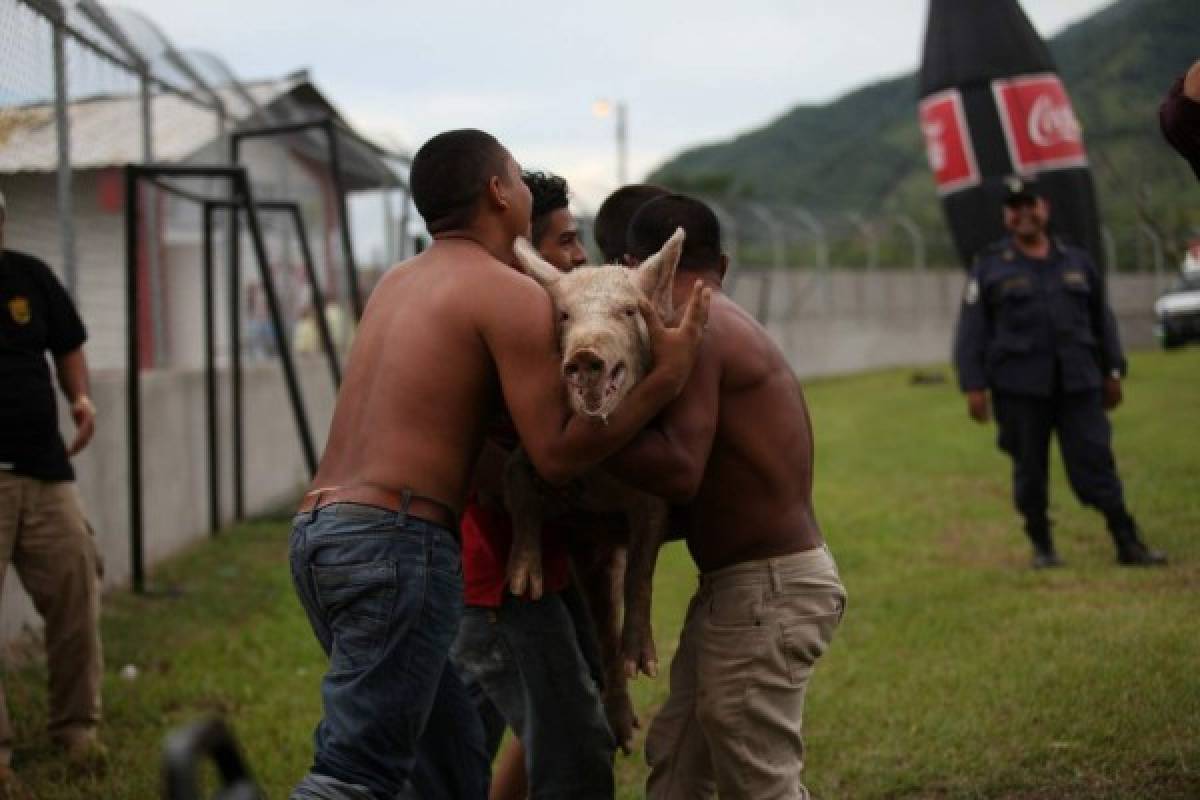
533	264
656	275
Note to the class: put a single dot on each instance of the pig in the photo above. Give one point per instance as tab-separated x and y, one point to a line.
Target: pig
605	352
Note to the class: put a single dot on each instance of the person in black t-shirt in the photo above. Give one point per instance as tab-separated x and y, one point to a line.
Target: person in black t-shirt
43	532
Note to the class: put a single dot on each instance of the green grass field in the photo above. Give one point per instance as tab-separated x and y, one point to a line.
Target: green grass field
958	673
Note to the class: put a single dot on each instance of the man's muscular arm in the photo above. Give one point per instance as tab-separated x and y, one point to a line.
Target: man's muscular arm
563	445
668	458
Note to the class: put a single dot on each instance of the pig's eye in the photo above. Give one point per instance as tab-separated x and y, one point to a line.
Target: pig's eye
563	316
629	312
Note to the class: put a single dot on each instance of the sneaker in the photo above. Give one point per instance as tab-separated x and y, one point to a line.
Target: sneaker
1136	554
1046	559
11	787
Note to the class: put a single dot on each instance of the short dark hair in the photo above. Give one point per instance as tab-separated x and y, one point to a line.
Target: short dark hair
549	194
655	221
612	219
448	176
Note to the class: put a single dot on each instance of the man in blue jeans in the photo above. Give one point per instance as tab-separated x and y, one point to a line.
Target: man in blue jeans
383	591
448	339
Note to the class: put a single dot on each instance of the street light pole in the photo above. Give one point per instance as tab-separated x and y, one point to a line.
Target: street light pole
602	108
622	144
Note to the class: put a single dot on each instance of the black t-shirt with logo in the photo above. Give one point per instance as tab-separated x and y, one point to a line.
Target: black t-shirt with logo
36	315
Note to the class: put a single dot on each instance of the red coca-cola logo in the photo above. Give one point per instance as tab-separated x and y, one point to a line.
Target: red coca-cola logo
1040	126
948	142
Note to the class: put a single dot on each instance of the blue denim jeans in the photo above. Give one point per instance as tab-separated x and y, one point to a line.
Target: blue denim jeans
526	660
383	593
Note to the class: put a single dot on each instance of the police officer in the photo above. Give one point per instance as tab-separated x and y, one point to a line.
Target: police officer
1035	329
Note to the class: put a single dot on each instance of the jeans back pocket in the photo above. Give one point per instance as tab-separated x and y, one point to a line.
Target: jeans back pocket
358	602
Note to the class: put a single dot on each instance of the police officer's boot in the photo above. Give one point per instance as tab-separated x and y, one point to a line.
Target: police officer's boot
1131	550
1044	555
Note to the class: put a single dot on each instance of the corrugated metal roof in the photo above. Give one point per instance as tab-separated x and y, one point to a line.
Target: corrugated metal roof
107	131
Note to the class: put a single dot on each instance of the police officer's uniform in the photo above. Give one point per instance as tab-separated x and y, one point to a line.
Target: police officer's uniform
1040	335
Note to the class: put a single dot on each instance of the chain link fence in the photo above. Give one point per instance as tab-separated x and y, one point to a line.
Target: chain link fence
789	262
87	88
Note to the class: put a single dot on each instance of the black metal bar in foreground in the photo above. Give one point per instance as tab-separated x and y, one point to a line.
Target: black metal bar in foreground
133	380
185	752
210	376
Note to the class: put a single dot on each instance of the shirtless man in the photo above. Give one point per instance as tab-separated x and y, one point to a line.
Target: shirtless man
612	218
448	339
736	448
526	661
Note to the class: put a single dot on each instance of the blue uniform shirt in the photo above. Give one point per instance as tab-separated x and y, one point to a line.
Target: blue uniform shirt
1027	322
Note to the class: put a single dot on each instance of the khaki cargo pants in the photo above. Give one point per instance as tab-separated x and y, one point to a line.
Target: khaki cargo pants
732	723
45	536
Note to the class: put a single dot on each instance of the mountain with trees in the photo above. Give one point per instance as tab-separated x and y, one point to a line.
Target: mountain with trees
864	151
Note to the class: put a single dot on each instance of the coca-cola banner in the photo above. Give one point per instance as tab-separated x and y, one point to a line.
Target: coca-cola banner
991	106
948	142
1039	124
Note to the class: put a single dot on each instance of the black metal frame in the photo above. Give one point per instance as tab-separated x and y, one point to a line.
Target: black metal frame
326	124
242	199
235	340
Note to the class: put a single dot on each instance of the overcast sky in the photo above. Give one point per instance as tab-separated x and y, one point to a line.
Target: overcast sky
690	71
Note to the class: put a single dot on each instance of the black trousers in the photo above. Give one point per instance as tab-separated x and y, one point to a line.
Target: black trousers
1084	438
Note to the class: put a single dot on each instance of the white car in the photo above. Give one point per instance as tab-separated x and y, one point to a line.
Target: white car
1178	312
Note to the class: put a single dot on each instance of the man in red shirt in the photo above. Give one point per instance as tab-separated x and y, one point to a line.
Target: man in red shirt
523	655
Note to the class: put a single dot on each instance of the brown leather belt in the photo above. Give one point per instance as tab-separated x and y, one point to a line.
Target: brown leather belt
415	505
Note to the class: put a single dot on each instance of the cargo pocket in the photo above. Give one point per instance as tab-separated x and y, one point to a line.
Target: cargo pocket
358	601
99	556
805	640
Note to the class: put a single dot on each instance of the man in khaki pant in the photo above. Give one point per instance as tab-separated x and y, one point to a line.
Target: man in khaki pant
43	533
735	452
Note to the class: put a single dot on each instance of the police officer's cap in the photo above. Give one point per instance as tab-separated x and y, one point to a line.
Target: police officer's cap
1019	189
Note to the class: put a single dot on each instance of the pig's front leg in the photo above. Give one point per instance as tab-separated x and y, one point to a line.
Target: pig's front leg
523	498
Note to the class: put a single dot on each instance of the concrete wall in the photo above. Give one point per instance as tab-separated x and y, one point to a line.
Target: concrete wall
856	320
174	448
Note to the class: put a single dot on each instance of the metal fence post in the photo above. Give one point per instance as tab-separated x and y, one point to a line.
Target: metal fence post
809	220
66	210
1110	247
210	376
730	235
917	239
1156	250
133	367
778	261
339	189
856	219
